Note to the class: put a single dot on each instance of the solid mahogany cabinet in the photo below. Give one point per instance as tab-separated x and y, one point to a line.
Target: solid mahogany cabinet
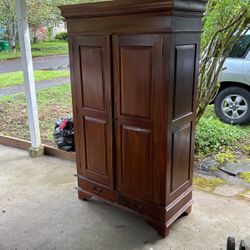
134	68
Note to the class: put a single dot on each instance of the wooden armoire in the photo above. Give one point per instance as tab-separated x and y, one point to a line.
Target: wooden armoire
134	66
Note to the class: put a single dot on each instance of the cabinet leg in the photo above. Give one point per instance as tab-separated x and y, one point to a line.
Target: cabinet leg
188	211
84	196
160	228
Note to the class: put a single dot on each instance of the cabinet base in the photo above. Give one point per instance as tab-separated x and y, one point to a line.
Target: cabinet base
188	211
84	196
161	227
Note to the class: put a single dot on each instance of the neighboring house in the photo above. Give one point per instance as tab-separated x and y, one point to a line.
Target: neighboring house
44	31
59	27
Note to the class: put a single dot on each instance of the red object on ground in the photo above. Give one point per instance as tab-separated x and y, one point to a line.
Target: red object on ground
64	124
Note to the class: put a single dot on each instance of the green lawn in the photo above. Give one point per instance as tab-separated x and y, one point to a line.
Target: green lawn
53	103
212	136
16	78
40	49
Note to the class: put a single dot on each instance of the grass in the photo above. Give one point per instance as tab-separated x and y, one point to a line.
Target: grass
46	48
245	176
212	137
207	184
16	78
53	103
225	156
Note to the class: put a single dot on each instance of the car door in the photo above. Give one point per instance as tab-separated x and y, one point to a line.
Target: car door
232	70
237	65
247	68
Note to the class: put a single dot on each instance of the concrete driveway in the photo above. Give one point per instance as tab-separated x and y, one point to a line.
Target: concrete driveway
40	210
45	62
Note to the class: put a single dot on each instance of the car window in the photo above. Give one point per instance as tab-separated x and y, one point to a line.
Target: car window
241	47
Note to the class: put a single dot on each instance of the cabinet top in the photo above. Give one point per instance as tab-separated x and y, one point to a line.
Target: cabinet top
126	7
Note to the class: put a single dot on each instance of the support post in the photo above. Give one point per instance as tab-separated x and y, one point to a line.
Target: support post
30	90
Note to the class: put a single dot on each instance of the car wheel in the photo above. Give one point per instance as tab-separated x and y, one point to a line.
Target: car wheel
232	105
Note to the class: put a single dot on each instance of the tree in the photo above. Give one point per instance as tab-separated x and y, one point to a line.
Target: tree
8	19
40	12
224	23
48	14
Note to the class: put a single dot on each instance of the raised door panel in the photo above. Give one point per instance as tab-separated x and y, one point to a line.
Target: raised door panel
181	156
184	79
136	159
92	77
96	150
136	75
94	107
137	81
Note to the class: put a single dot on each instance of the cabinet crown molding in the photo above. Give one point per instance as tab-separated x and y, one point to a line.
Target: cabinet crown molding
129	7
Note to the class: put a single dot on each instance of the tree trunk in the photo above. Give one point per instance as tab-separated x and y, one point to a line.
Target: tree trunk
12	33
213	58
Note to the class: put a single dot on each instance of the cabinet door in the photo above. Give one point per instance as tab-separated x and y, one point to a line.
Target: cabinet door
137	81
93	112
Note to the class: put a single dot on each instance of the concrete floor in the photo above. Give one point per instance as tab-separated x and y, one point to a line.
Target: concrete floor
39	209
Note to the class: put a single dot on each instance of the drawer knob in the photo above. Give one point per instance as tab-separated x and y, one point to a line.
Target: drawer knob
97	189
136	207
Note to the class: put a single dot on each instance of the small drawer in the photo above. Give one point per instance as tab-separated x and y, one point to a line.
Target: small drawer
96	189
135	205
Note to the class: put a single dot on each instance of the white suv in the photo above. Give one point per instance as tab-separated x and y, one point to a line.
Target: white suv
232	103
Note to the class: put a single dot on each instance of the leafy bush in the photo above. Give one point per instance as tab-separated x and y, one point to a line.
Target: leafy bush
61	36
213	136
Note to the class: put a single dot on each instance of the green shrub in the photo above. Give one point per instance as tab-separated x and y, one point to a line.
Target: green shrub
246	148
61	36
213	136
